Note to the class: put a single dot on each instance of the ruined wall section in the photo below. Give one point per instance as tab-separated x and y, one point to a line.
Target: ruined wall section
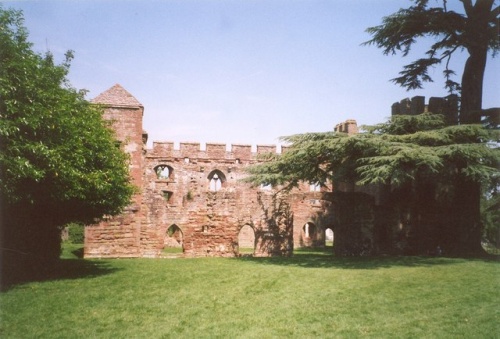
211	221
447	106
194	198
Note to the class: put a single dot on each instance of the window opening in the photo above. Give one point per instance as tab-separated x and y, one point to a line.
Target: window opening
163	171
314	187
266	187
216	180
167	195
215	183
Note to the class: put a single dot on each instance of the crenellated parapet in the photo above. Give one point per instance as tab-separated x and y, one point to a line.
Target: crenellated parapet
212	151
349	126
447	106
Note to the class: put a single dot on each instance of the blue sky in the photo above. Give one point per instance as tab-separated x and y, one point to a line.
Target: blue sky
245	71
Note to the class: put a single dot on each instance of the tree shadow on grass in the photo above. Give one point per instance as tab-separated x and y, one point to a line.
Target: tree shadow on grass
324	260
59	270
78	253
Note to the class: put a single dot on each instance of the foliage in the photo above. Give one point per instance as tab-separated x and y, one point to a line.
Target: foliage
76	233
430	168
58	156
475	31
308	295
388	153
71	250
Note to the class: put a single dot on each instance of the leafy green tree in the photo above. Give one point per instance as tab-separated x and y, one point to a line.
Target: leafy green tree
476	31
424	163
58	158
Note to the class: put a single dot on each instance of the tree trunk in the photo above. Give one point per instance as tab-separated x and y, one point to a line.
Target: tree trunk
466	228
472	88
477	38
30	244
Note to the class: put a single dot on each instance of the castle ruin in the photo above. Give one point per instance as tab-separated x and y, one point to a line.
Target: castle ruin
194	199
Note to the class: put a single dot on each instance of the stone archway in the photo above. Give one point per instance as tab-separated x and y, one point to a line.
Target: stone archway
246	240
309	234
173	241
329	237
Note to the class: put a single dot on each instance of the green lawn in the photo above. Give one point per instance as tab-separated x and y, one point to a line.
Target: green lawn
310	295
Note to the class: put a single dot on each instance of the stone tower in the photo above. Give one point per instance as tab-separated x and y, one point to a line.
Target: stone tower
125	114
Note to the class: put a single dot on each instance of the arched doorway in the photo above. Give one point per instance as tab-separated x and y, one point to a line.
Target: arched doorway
246	240
329	237
173	241
309	234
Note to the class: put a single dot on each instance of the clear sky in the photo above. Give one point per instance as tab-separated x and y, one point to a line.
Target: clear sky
244	71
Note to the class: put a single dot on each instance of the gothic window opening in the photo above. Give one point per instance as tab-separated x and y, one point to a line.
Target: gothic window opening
216	180
215	183
266	187
163	172
314	187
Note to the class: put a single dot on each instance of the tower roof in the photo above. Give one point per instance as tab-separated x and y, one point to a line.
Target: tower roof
117	96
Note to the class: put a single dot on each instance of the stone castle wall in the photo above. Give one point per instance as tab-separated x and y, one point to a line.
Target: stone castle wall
447	106
194	199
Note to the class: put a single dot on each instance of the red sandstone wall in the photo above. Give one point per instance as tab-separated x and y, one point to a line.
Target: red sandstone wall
120	236
210	221
207	223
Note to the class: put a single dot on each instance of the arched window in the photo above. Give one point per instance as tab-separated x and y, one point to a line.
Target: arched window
314	187
215	183
216	180
163	172
266	187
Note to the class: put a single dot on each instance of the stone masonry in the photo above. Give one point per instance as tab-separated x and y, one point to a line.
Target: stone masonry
193	199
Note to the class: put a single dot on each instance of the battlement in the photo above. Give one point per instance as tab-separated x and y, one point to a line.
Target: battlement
211	151
214	151
349	126
447	106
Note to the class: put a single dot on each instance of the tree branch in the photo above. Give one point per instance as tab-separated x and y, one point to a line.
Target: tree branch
467	6
495	13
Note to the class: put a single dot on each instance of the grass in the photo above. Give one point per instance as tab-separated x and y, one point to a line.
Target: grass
71	251
312	294
172	250
246	250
